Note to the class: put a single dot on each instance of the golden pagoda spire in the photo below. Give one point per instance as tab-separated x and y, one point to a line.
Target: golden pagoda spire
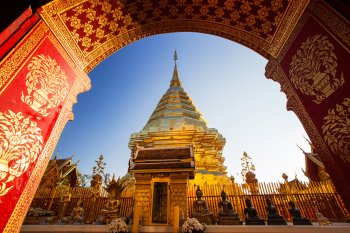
175	81
175	109
176	122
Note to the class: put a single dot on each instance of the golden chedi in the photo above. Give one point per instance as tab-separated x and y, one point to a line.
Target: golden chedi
176	122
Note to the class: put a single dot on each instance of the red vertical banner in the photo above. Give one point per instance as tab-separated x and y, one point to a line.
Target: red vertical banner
38	86
315	75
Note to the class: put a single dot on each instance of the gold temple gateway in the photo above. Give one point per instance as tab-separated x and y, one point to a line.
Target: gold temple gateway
176	122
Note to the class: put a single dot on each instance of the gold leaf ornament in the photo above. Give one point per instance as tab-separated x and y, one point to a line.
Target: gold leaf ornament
336	130
313	69
47	84
20	144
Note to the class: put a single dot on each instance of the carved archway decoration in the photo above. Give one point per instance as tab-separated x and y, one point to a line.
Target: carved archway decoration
336	130
91	30
47	84
75	35
17	150
314	68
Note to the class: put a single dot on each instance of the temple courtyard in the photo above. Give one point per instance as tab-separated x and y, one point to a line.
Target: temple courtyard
334	228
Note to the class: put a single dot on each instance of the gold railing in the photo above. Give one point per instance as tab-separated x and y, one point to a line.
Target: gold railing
308	196
51	199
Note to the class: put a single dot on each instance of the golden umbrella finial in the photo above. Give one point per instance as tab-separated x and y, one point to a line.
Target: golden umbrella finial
175	56
175	81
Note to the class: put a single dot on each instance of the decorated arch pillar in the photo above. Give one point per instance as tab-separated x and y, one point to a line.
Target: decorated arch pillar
39	84
313	71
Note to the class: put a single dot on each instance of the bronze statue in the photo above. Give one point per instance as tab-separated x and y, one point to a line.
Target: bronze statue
296	215
77	215
111	210
114	188
227	215
251	215
65	199
273	218
200	209
96	183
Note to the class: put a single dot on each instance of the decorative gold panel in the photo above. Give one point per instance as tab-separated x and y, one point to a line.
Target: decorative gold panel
92	30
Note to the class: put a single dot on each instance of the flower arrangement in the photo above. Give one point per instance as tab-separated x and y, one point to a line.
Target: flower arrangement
191	225
117	225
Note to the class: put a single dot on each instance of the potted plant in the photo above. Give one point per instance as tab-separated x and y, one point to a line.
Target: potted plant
191	225
118	225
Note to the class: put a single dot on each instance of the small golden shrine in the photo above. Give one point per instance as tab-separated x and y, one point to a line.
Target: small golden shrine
162	176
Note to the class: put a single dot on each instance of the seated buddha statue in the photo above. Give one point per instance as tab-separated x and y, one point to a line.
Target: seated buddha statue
296	215
200	209
111	210
227	215
77	215
251	215
273	218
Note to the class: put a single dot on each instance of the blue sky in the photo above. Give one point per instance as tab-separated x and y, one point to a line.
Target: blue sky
226	82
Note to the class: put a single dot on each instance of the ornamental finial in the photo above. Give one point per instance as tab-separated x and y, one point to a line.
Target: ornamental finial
175	56
175	81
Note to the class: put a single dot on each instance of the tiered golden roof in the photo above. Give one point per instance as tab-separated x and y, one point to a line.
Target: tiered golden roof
176	122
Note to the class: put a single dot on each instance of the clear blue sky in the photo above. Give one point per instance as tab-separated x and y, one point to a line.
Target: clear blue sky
226	82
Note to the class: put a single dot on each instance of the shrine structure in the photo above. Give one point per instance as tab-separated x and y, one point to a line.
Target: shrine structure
47	51
175	148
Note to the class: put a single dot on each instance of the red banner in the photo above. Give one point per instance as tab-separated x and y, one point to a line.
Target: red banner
316	78
37	77
322	81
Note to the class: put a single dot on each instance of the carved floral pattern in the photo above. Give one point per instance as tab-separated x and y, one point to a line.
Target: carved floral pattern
20	144
47	84
313	68
117	17
336	130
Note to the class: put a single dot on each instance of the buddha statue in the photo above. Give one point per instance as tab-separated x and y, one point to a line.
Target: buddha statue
227	215
94	196
296	215
200	209
77	215
322	220
65	199
273	218
251	215
111	210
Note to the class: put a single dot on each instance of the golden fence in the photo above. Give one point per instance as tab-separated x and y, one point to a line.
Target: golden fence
308	196
51	200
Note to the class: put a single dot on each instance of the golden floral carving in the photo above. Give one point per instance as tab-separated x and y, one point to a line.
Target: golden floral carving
12	64
20	144
39	33
47	84
276	5
313	68
336	130
229	19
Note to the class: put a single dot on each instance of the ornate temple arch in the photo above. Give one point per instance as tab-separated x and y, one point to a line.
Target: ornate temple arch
92	30
306	42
